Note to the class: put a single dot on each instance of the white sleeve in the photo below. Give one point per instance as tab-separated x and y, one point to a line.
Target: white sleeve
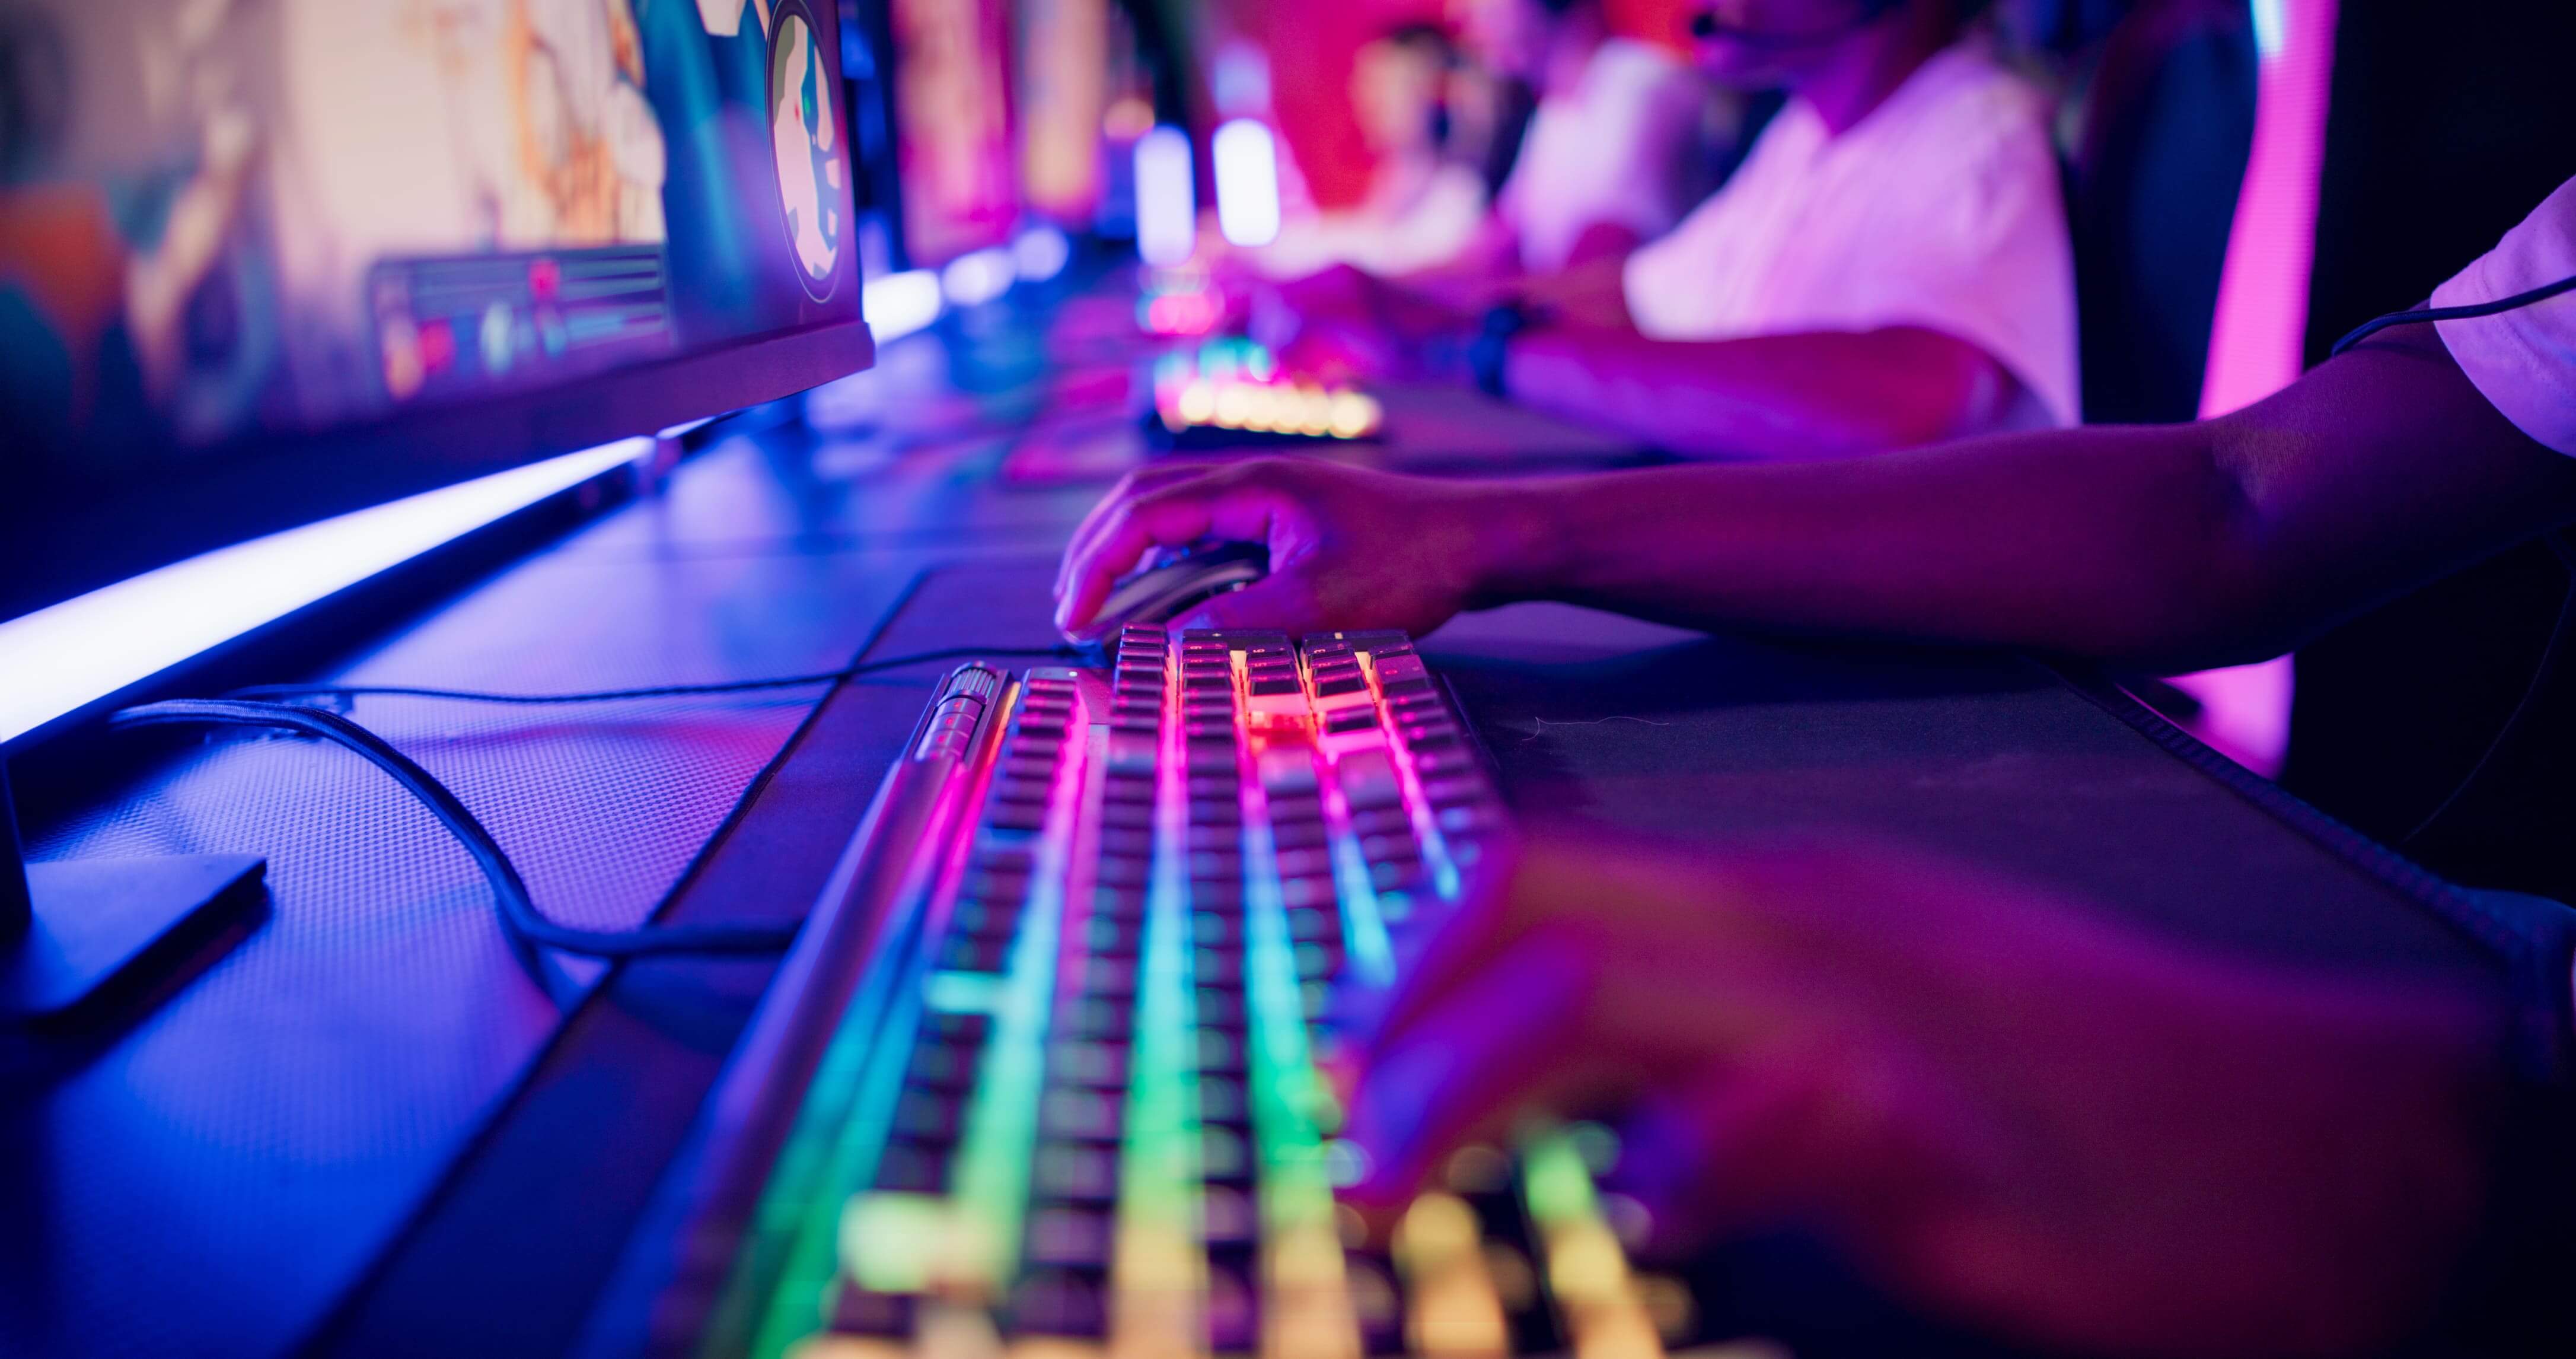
1986	259
1645	127
2523	361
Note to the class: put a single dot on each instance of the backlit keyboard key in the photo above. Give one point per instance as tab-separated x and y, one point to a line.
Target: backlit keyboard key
1106	1140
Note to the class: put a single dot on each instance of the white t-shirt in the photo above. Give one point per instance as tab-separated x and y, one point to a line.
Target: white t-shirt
1941	209
1616	150
2523	361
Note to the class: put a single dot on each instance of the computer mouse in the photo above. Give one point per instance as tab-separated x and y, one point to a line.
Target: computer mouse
1176	580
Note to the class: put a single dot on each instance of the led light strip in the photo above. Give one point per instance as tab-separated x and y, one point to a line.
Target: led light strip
62	659
1159	1271
1307	1310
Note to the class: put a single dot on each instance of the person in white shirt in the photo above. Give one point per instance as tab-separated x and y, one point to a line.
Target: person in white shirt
2016	1109
1610	156
1426	202
1889	267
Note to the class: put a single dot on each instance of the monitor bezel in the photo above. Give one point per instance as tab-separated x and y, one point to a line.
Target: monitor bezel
267	485
71	539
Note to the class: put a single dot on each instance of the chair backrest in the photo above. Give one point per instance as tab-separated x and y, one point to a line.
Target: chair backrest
2167	125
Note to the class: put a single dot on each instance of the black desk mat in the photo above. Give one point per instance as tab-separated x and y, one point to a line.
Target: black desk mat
1989	758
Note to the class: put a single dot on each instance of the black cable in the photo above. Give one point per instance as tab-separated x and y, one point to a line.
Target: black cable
520	917
2540	675
528	928
2465	312
277	691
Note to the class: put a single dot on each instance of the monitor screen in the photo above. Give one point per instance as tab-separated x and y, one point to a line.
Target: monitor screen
474	231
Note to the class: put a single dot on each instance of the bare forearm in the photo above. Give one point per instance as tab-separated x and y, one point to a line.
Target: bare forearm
2115	549
2169	545
1769	398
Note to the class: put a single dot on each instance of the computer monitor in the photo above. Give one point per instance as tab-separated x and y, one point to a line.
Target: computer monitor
264	261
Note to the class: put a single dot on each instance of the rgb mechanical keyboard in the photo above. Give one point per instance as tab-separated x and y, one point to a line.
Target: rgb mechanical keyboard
1070	1076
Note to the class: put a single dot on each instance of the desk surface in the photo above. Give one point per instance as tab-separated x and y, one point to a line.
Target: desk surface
365	1131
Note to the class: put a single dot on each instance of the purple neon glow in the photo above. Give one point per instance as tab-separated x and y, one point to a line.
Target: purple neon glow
2259	333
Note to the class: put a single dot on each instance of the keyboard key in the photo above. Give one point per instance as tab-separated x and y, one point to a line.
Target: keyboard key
1079	1113
1386	877
1068	1235
1227	1217
1307	925
1106	1018
1113	938
1386	848
1298	835
997	886
1233	1319
1124	870
1299	863
1018	816
1061	1302
1127	840
1368	780
1075	1172
1370	1280
912	1166
1224	1156
1217	967
973	953
939	1026
1215	863
1382	821
1220	1008
1111	978
986	919
1220	1053
1216	929
945	1067
1083	1062
1467	819
1223	1099
857	1311
1308	891
1349	720
928	1115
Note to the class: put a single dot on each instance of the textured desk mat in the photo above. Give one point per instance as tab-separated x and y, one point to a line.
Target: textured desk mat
207	1180
1985	757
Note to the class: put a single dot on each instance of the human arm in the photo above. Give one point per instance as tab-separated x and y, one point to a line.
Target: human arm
1768	397
2164	546
2006	1108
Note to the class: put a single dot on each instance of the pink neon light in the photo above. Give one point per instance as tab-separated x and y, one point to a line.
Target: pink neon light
2261	323
2258	335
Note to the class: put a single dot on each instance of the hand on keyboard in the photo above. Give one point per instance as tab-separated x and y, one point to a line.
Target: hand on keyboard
1349	548
2020	1115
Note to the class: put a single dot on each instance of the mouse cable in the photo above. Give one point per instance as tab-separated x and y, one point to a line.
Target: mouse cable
288	691
2466	312
527	927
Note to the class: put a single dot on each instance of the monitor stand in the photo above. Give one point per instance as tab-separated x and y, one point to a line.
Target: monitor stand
70	930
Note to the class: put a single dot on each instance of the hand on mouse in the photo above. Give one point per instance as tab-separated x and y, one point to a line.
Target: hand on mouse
2015	1112
1348	548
